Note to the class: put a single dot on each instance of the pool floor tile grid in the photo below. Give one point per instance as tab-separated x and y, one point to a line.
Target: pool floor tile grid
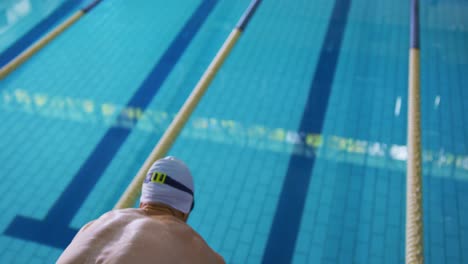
445	129
232	219
354	211
28	193
240	139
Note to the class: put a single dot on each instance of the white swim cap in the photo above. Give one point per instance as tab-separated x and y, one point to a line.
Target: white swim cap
170	182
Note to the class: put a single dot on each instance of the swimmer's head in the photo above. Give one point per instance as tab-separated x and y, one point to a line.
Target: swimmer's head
169	182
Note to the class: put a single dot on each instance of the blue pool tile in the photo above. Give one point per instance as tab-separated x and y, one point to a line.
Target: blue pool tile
304	243
316	253
241	253
347	244
345	256
10	256
452	247
375	259
300	258
254	259
451	227
323	215
362	253
320	234
437	253
453	260
464	242
232	240
379	224
217	241
394	216
377	247
258	245
247	233
331	249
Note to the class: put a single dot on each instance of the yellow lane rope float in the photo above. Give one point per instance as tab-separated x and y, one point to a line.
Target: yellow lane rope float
414	206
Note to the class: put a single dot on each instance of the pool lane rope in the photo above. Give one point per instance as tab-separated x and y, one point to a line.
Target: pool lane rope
133	191
414	207
38	45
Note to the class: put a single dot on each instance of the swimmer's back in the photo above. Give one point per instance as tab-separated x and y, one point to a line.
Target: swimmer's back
132	236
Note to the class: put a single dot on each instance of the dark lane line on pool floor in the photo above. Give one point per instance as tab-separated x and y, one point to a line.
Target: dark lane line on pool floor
285	227
37	31
54	230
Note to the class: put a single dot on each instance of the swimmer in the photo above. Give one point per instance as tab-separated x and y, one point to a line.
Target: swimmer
154	233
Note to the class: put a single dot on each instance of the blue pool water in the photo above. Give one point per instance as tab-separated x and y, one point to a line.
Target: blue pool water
298	147
23	22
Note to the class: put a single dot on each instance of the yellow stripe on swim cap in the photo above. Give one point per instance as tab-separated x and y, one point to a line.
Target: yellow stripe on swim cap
158	177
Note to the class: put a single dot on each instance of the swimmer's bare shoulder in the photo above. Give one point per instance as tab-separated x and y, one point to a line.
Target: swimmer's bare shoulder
146	236
195	246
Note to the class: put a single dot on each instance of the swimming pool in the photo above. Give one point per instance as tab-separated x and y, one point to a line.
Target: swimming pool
297	148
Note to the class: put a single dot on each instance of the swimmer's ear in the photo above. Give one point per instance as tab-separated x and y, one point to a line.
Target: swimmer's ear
186	217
